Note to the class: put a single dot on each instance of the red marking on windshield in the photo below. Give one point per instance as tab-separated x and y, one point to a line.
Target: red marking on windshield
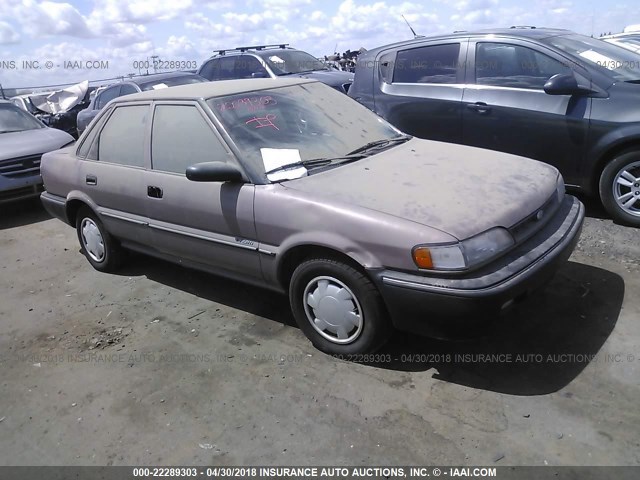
266	121
250	103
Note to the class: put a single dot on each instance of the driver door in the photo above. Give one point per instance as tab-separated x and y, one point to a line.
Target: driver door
210	223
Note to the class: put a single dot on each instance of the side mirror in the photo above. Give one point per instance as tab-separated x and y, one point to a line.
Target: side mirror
564	84
213	172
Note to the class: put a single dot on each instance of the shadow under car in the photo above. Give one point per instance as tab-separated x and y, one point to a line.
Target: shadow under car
536	347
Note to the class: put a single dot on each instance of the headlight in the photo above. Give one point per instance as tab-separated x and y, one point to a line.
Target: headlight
466	254
560	188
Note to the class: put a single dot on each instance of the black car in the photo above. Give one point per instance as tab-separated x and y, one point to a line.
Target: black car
133	85
552	95
272	61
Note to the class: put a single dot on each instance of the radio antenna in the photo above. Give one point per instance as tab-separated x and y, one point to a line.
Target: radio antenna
415	35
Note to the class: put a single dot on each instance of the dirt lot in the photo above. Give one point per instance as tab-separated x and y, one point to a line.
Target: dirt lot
163	365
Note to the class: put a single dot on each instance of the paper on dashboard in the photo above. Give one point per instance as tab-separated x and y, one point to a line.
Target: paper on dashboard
277	157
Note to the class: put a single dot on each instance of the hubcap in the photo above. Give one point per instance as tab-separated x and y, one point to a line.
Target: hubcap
333	310
626	188
92	239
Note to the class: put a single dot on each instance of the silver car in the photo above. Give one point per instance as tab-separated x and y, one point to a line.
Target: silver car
23	140
293	187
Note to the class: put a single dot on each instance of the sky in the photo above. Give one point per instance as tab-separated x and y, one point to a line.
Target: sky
51	42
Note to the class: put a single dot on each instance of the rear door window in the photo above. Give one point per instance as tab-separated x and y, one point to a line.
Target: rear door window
127	89
107	95
219	69
507	65
122	138
429	64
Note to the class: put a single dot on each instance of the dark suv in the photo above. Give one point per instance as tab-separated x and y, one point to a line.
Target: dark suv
272	61
553	95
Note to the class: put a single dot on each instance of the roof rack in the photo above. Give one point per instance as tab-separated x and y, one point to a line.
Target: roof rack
253	47
531	27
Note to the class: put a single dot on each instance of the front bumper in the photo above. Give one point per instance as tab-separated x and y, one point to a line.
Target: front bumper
445	306
17	189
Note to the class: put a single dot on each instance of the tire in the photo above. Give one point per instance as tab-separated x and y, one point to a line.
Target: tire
100	248
344	296
620	188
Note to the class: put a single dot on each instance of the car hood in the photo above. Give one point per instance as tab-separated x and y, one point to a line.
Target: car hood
457	189
333	78
32	142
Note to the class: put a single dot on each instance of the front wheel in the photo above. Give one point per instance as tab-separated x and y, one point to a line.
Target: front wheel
620	188
338	308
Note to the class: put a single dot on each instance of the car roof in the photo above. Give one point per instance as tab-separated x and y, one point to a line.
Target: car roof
261	52
154	77
621	35
522	32
207	90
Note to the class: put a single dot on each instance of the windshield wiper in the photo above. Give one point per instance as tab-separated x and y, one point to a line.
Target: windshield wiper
381	143
317	162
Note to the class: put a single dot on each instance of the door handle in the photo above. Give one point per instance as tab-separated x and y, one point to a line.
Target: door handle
479	107
91	180
154	192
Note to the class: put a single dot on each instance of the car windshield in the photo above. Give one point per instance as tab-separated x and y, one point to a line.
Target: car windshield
300	122
172	82
620	64
24	103
287	62
14	119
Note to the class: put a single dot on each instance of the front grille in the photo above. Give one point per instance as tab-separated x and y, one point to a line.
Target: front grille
21	166
534	222
22	192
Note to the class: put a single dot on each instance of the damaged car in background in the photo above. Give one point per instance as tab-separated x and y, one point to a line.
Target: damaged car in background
345	61
23	140
292	186
57	109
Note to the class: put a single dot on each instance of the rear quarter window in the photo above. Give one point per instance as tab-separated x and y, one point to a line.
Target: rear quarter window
429	64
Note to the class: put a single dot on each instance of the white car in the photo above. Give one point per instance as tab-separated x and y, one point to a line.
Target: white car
629	41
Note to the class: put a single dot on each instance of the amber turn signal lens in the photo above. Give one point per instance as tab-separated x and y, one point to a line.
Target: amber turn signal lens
422	257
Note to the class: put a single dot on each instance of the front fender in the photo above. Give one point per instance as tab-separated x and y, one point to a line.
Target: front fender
329	240
601	150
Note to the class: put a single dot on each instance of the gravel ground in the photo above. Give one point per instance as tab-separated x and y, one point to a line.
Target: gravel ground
163	365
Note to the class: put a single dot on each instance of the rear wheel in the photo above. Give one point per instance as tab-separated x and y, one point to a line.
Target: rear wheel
620	188
338	308
100	248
